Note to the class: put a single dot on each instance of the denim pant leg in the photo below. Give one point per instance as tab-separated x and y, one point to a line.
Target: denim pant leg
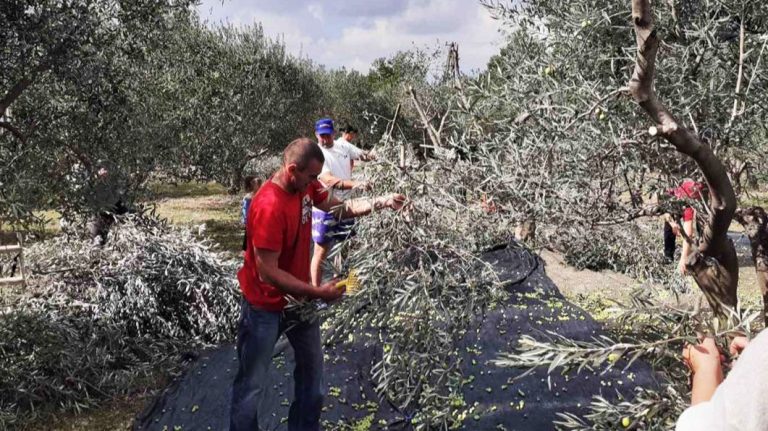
256	338
304	414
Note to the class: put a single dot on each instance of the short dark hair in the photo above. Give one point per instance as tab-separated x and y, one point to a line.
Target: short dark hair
247	182
349	129
301	151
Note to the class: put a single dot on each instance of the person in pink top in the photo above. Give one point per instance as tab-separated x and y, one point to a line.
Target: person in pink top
688	190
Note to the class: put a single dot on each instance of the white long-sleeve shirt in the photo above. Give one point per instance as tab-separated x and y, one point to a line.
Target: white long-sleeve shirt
740	403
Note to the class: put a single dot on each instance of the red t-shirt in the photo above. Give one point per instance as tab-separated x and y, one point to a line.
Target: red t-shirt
688	214
278	221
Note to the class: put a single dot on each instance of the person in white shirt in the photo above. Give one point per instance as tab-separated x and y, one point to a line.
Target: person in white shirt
337	176
737	403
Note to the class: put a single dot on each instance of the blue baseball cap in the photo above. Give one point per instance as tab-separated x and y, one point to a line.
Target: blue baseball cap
324	126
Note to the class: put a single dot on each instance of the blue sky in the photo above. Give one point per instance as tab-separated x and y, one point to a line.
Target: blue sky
353	33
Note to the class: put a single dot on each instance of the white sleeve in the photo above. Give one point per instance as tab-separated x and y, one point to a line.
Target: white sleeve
353	152
700	417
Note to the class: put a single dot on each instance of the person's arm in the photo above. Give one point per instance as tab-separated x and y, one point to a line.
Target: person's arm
704	362
367	156
335	183
356	153
670	220
283	280
362	206
688	229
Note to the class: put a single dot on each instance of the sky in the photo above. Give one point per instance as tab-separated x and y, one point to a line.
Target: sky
353	33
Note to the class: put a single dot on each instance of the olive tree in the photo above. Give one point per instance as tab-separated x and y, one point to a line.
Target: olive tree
555	103
73	100
572	82
235	93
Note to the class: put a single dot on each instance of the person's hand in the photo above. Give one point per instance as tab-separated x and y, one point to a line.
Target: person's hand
675	229
329	292
738	344
703	357
370	155
394	201
682	268
487	205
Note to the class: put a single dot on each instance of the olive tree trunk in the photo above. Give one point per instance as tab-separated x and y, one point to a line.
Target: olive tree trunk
713	263
755	222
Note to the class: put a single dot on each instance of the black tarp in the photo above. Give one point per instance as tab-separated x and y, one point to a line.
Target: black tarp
200	399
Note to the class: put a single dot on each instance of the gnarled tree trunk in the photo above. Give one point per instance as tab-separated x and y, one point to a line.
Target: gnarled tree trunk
713	263
755	222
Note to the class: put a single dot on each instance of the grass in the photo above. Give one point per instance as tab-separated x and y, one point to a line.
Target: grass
219	213
117	414
192	189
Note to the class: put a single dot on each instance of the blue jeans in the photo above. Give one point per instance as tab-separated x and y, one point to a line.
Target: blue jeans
256	338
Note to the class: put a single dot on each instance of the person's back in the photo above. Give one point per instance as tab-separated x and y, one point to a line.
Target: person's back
251	186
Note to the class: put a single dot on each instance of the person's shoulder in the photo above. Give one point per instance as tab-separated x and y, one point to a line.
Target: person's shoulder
268	192
342	144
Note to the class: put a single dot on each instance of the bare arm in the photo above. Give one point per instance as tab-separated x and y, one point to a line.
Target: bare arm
272	274
705	382
333	182
360	207
688	229
704	362
367	156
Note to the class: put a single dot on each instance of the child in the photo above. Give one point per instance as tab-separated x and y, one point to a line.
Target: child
251	185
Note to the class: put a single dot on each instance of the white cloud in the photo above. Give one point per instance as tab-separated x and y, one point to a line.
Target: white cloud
316	11
353	33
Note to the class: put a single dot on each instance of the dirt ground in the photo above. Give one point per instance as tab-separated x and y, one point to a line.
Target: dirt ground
596	290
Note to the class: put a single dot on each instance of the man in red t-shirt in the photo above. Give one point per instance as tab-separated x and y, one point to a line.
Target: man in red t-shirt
277	264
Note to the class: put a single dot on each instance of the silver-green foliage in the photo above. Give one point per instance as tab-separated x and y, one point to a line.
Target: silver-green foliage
644	329
97	320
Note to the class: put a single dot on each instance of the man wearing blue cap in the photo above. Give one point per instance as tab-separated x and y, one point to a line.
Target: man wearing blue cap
337	176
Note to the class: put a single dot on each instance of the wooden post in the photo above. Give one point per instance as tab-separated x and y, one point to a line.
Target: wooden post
11	249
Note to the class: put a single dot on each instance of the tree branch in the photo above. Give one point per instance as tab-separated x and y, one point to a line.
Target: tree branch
714	265
596	104
22	85
722	197
14	131
735	113
433	135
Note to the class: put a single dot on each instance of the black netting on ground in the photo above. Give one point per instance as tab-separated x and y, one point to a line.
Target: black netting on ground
200	400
